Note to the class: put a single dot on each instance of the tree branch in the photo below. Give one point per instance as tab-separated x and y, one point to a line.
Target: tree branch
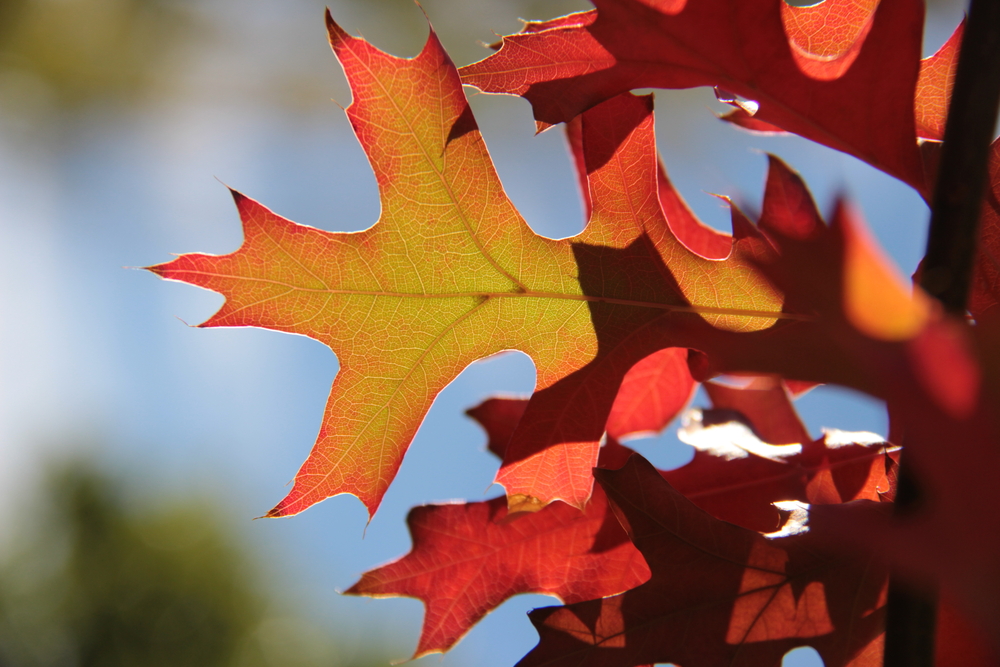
947	274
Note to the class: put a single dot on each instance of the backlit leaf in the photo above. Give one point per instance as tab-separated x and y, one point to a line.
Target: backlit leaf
451	274
718	594
842	72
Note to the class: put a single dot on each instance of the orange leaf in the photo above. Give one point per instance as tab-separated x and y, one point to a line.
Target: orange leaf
451	273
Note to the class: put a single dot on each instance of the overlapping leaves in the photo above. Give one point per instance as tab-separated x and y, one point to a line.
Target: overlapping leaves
620	322
843	74
468	558
451	274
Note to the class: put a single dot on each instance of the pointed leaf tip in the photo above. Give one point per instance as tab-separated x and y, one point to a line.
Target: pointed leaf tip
335	33
742	227
156	268
788	209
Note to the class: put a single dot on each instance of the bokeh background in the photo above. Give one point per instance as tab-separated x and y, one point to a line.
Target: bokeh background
135	450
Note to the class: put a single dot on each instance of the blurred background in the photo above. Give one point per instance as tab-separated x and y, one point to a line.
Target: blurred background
135	450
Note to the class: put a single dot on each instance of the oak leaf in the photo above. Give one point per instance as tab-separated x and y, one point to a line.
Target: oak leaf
689	230
842	72
942	388
652	394
468	558
451	273
737	476
765	403
718	593
853	299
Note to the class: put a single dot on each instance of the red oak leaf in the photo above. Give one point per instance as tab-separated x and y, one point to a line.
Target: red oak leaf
839	467
738	486
788	209
586	309
736	477
842	73
499	418
841	279
939	377
468	558
733	475
689	230
652	394
718	593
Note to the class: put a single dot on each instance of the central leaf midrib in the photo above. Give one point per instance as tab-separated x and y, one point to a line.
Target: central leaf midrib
682	308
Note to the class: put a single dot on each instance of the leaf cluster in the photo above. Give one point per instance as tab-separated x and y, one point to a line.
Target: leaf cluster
771	537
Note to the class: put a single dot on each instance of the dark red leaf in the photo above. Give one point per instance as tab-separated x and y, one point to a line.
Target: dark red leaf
718	594
986	275
843	72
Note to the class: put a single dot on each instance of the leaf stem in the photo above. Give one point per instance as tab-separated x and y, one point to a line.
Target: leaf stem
947	275
972	116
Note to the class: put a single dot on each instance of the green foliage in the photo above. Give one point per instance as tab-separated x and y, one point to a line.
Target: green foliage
104	583
88	50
